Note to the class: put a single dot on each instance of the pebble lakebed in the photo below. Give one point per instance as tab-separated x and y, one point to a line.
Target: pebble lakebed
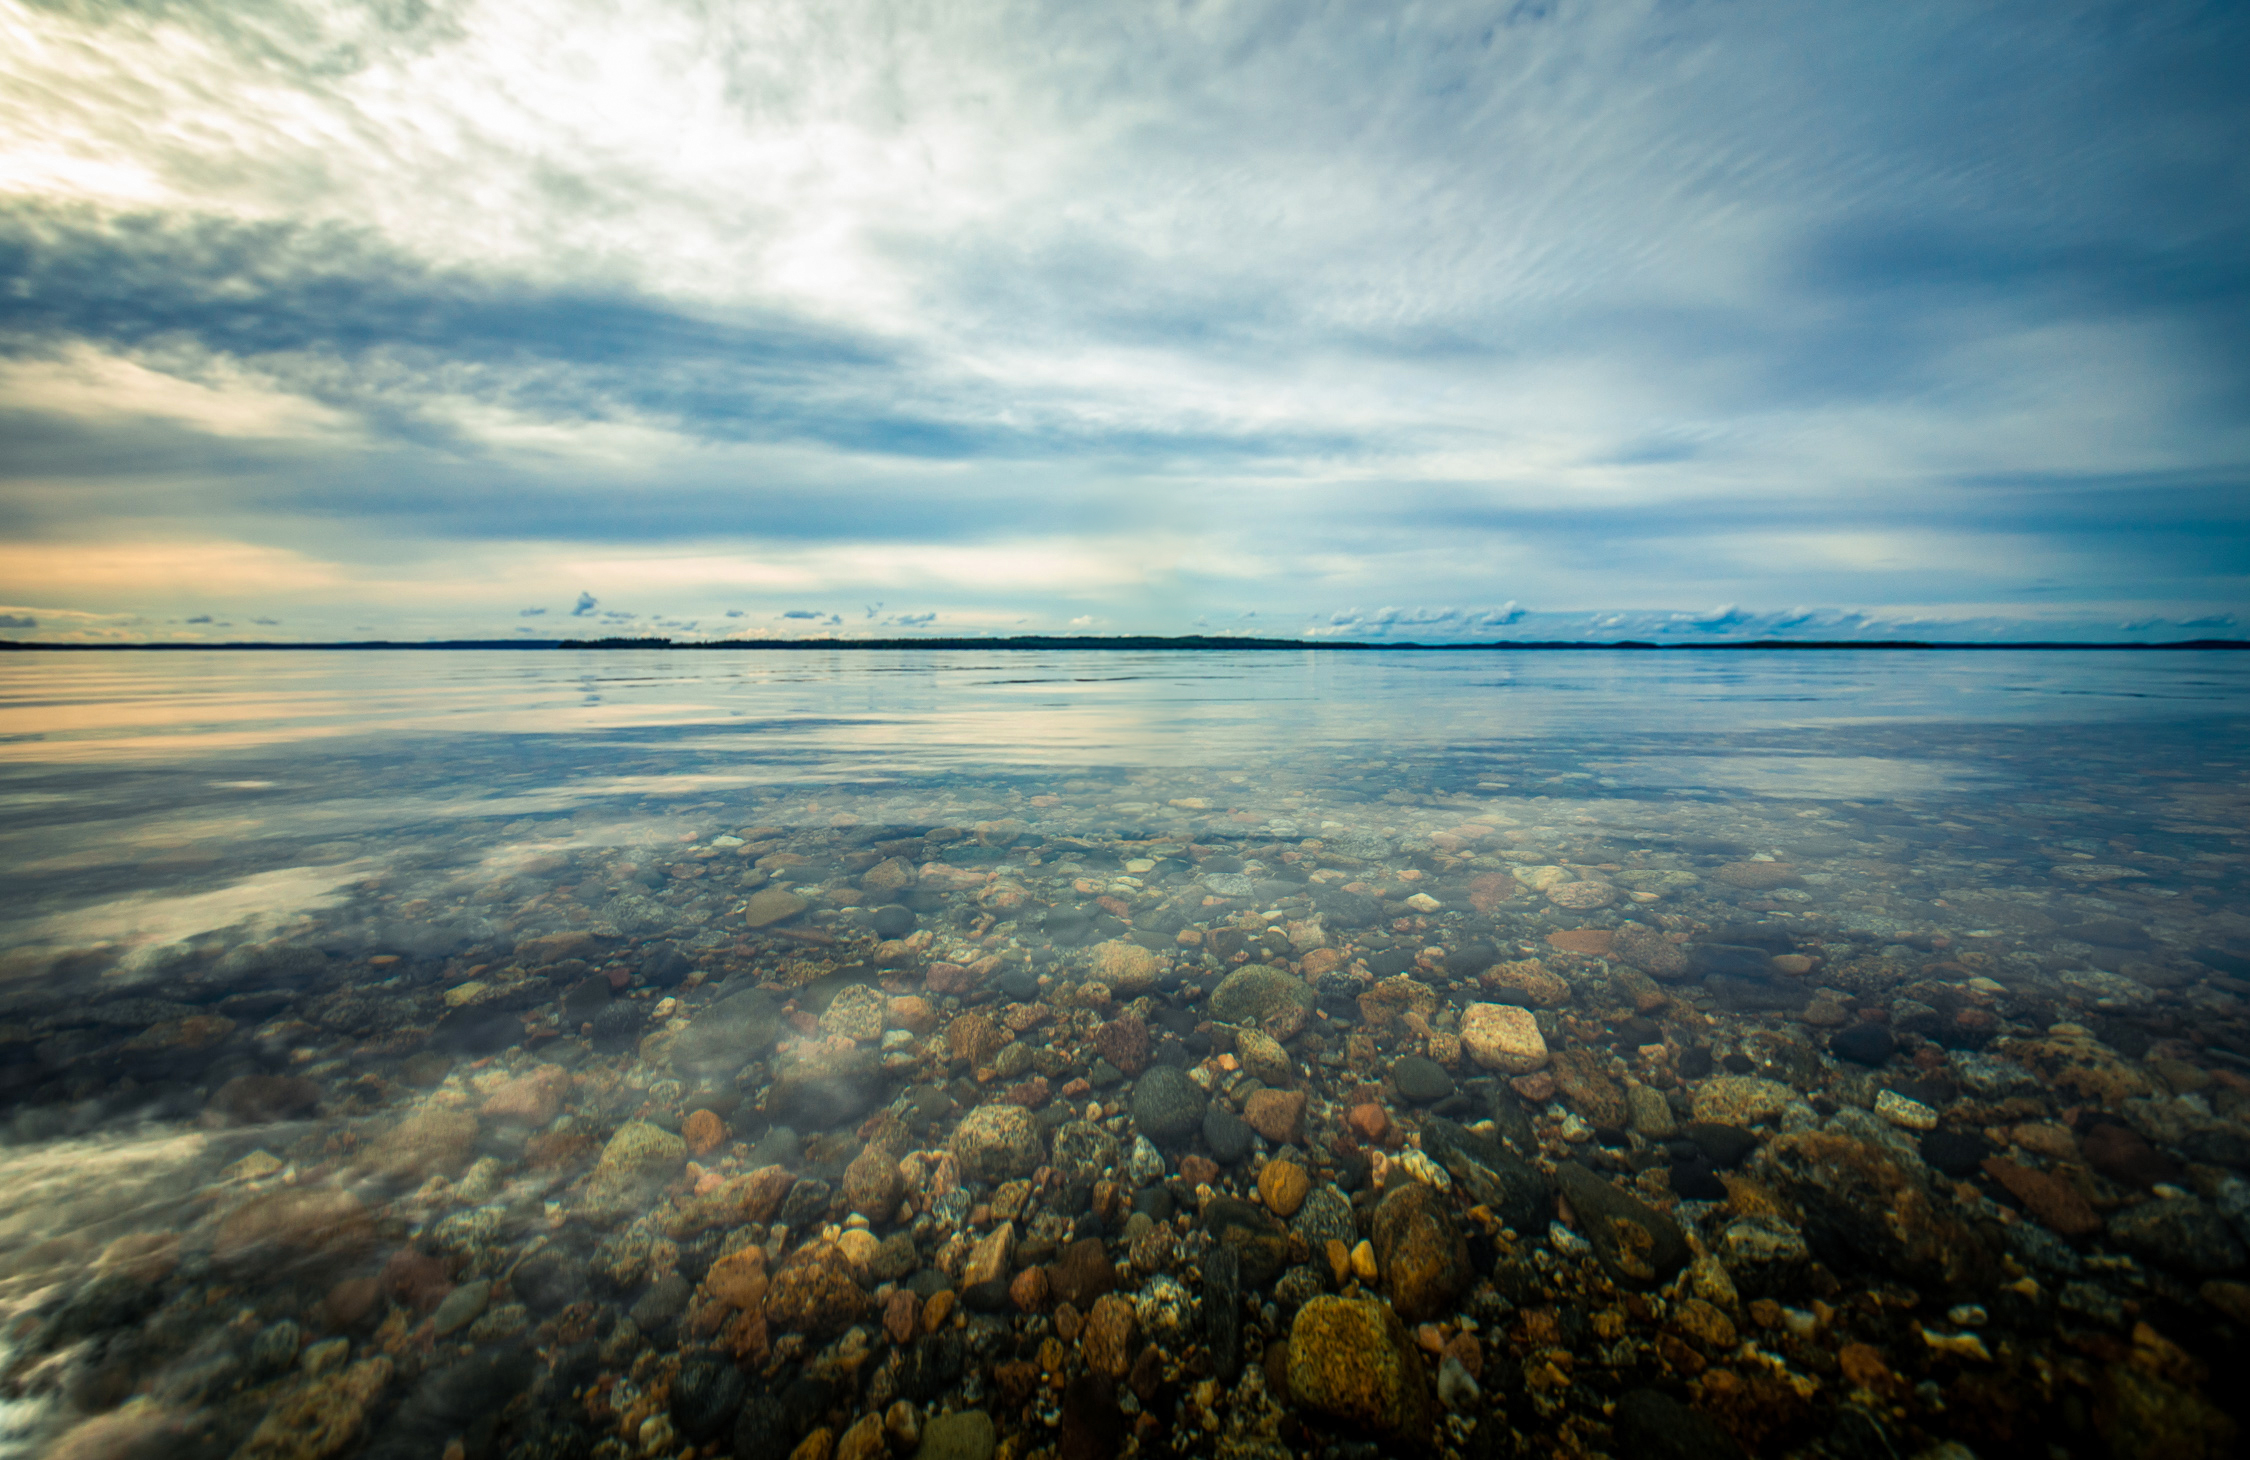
1348	1110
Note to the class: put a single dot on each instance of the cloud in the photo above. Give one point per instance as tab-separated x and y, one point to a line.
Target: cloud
734	613
912	620
18	621
531	612
801	613
586	604
1915	312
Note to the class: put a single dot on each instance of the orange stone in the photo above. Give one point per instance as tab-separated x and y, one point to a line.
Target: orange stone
1593	942
1370	1122
704	1132
1863	1367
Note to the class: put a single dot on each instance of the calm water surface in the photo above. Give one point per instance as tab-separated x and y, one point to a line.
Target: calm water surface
621	1053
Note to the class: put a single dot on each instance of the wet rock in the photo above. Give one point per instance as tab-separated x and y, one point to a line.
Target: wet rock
1581	1079
1265	998
872	1185
1263	1057
323	1416
1649	951
1421	1080
1127	968
1222	1311
738	1028
1167	1106
2180	1233
1278	1115
1636	1245
1422	1255
965	1434
1081	1273
1650	1115
634	1166
1283	1187
1494	1177
1351	1360
1503	1037
530	1099
462	1307
259	1099
1228	1135
430	1142
1740	1100
1124	1042
1955	1153
1108	1338
1325	1216
1259	1242
1862	1044
1725	1146
292	1224
2052	1201
547	1282
813	1294
1093	1426
997	1143
1862	1211
2121	1154
772	905
1765	1256
1083	1154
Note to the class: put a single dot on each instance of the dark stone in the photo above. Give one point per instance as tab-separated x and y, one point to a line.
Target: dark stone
666	965
1067	927
2109	933
1695	1062
618	1027
1636	1245
706	1394
477	1030
259	1099
1167	1106
1471	959
586	998
2120	1153
104	1305
808	1201
1725	1146
932	1366
1258	1241
1347	910
1695	1178
1228	1135
1729	961
1651	1425
1511	1187
1154	1202
1081	1273
1423	1257
1018	983
1222	1311
1862	1044
2180	1233
547	1283
1389	962
1956	1153
893	921
467	1395
729	1033
1514	1122
1757	994
657	1309
1421	1080
1093	1427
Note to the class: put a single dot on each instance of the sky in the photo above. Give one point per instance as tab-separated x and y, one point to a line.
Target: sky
1654	319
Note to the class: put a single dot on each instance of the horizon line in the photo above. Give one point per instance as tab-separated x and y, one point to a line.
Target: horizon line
1069	642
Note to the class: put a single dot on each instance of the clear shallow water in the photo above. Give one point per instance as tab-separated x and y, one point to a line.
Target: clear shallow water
380	874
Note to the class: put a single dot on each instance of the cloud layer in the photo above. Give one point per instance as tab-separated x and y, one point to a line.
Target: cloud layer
1553	319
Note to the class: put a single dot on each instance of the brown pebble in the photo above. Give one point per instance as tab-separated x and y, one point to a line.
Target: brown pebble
1068	1323
1283	1187
1370	1122
901	1314
937	1310
349	1302
1029	1290
704	1132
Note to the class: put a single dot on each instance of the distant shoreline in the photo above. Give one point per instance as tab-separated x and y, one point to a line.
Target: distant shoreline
1193	643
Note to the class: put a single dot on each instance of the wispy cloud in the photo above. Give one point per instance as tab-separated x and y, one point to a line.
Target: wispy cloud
1605	311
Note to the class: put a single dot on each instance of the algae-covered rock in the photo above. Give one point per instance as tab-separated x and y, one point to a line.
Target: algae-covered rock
1351	1359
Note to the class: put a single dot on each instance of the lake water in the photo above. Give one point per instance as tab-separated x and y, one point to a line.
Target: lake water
665	1053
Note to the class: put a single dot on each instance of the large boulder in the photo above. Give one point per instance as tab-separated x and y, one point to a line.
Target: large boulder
997	1143
1421	1254
1264	998
1351	1360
